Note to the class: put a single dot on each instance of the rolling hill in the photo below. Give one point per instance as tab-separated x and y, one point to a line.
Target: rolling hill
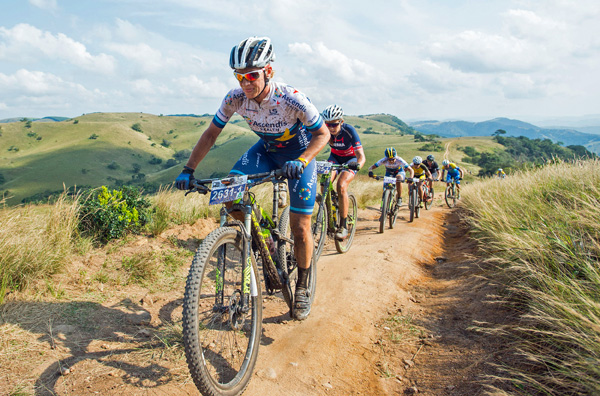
512	127
39	158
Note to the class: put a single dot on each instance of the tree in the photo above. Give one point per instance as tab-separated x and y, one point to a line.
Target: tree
499	132
137	127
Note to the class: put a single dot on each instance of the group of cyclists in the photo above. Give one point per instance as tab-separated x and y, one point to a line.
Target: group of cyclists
292	132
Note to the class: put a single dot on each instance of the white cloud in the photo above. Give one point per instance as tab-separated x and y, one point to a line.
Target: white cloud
44	4
331	65
26	43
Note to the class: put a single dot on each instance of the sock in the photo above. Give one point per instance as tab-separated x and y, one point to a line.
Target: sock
343	222
302	277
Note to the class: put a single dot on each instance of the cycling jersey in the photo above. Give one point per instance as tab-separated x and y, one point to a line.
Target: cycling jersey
453	173
451	167
283	121
420	170
391	163
277	120
345	143
433	167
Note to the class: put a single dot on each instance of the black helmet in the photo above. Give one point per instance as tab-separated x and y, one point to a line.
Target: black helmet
430	157
390	152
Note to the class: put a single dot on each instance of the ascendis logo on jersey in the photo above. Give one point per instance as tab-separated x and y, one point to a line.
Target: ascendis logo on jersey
273	112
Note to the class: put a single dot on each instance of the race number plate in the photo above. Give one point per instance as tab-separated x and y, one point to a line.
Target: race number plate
323	167
228	189
389	180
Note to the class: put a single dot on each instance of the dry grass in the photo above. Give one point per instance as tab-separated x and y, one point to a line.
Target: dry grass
542	229
34	242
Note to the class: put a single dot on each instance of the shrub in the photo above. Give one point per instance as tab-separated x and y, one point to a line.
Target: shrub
155	161
137	127
111	214
113	166
93	136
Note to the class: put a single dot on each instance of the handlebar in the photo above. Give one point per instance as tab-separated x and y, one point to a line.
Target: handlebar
201	185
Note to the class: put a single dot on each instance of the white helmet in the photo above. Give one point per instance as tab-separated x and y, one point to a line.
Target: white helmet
252	52
417	160
333	112
499	169
445	162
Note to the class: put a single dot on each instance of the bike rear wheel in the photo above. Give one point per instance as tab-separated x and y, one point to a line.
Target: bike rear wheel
220	340
385	204
319	226
287	260
344	245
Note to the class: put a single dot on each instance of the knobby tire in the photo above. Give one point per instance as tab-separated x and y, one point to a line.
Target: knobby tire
344	245
221	343
319	226
384	209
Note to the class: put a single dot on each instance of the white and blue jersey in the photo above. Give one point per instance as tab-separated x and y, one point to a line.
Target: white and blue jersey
284	121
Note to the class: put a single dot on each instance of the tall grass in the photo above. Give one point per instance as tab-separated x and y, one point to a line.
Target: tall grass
542	230
34	241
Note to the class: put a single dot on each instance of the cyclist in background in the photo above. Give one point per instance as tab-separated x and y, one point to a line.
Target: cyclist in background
500	173
291	133
420	171
345	149
454	172
433	168
395	167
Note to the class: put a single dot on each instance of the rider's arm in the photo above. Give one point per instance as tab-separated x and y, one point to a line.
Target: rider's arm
319	139
204	144
360	157
411	170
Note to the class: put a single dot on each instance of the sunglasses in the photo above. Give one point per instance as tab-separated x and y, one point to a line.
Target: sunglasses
332	124
250	76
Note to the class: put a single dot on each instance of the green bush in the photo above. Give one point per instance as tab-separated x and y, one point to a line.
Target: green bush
111	214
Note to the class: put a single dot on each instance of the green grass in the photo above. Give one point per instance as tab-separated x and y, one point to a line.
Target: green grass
542	230
66	156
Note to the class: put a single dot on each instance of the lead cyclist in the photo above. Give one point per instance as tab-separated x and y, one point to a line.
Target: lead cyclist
291	133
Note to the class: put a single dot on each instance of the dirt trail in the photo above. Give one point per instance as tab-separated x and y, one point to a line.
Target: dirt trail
388	318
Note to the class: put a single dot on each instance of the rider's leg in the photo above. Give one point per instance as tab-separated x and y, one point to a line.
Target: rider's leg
303	251
342	189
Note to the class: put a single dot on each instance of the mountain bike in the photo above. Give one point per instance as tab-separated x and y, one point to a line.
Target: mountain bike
222	306
414	200
427	194
326	218
451	194
389	209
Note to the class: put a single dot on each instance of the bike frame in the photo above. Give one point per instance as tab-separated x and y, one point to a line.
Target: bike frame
251	223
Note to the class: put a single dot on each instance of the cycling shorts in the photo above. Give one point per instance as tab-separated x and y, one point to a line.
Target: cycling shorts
302	192
454	174
398	173
336	159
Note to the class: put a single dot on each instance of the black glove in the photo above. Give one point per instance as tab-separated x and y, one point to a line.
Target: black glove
293	169
370	174
185	177
354	166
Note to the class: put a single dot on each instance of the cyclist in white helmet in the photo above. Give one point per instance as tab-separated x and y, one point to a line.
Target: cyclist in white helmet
291	132
421	171
345	149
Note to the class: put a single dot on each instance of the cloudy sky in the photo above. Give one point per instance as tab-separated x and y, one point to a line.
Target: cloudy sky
416	59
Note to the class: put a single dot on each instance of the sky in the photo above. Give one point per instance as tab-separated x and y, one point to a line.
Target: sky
415	59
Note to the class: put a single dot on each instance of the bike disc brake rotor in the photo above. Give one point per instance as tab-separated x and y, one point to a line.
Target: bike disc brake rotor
236	316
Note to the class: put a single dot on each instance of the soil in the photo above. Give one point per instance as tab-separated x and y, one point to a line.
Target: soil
394	315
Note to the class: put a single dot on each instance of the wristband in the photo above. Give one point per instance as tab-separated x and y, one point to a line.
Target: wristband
188	168
303	160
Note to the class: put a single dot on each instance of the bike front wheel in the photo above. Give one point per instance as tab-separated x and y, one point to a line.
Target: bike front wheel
221	335
342	246
287	260
428	194
449	196
412	201
385	205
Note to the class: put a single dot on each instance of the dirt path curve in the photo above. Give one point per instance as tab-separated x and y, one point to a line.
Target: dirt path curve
391	316
335	350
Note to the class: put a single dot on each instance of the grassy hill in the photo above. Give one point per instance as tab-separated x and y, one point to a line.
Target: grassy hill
96	149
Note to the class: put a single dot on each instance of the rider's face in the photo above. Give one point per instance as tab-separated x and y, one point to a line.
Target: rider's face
334	126
252	88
